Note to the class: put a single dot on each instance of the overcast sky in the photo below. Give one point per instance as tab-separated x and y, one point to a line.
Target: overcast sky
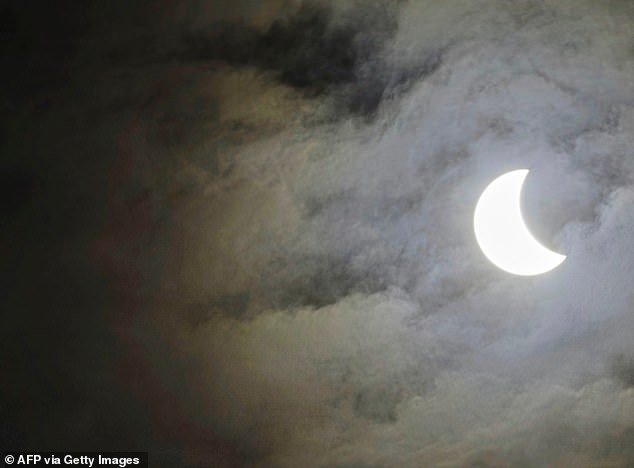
240	233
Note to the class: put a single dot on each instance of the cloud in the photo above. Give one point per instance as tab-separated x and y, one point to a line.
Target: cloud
318	49
368	328
286	198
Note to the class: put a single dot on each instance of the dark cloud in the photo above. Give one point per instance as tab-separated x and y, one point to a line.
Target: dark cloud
306	49
623	370
317	51
233	305
322	281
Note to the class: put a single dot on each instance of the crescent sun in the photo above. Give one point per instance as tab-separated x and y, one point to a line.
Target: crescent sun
502	234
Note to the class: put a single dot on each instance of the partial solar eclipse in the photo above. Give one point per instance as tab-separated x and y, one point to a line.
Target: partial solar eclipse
502	234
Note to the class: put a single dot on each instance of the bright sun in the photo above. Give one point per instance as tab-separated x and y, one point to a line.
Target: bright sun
502	234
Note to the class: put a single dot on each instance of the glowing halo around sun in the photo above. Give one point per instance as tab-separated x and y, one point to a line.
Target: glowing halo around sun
502	234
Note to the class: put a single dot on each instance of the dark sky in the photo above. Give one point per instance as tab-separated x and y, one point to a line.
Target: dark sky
239	233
